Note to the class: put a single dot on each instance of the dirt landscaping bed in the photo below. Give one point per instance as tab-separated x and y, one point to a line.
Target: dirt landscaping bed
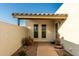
27	51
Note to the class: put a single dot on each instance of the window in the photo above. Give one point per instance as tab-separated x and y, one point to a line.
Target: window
43	30
35	30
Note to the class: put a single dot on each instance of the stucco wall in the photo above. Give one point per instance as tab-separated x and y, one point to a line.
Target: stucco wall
50	29
10	38
70	29
71	47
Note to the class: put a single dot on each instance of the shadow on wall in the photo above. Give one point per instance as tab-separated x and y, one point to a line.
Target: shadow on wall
70	47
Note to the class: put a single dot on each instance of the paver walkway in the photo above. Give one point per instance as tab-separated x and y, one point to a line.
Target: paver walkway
46	49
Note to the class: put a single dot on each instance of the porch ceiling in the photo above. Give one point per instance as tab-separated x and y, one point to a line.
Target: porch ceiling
40	16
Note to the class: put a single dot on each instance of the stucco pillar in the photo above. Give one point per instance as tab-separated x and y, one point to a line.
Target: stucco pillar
18	22
57	41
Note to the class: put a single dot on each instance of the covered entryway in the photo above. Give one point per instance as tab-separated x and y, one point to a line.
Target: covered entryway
42	26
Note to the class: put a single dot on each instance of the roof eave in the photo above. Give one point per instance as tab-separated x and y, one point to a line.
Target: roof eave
39	15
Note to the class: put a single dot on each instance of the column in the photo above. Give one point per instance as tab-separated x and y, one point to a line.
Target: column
18	22
57	41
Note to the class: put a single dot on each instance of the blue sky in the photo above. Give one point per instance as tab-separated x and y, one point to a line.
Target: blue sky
6	9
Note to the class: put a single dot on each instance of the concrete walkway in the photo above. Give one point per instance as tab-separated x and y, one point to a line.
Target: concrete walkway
46	49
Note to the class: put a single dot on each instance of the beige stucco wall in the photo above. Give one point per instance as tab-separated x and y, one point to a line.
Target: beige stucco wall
50	29
71	47
10	38
70	29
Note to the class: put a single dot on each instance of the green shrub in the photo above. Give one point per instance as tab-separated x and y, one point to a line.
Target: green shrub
27	41
22	53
